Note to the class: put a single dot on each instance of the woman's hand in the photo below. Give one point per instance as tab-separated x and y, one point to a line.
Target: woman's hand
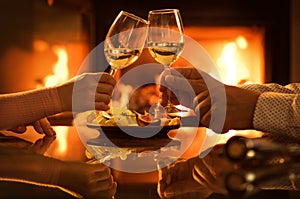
87	91
91	180
41	126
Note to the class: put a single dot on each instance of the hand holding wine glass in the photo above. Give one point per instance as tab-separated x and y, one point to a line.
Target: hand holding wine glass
165	41
125	40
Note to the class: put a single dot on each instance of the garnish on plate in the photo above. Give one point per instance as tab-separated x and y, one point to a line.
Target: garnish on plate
126	117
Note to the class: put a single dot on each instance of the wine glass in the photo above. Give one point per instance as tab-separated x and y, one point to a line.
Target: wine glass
125	40
165	42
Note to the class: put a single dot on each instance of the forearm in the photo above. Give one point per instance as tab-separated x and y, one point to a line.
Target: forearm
25	107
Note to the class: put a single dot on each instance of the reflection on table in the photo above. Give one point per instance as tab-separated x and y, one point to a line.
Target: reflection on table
69	145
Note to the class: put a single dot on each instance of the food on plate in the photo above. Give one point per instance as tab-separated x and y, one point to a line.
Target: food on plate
113	117
147	119
125	117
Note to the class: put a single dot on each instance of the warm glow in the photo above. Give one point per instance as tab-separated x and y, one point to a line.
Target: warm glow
238	52
61	137
239	57
227	63
60	69
125	93
242	42
40	45
60	74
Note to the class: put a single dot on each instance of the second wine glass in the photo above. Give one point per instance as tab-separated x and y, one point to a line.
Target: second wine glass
125	40
165	40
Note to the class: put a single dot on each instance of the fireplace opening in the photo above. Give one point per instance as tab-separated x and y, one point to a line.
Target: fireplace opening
273	20
258	25
238	52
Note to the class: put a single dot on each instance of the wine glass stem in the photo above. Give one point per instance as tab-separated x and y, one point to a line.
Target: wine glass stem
167	69
113	72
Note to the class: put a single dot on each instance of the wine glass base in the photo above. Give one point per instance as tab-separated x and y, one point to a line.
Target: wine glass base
158	111
170	108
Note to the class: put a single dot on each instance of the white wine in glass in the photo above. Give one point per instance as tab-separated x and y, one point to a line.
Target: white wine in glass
165	39
165	53
125	40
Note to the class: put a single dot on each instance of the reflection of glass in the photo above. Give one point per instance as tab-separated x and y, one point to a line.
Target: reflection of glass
165	37
133	153
125	40
106	153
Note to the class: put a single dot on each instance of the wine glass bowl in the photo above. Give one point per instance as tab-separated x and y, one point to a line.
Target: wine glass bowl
125	40
165	42
165	37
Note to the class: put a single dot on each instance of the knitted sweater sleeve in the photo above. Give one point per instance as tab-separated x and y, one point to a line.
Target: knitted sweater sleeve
26	107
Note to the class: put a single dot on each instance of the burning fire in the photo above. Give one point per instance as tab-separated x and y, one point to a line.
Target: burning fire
60	69
231	62
60	74
125	92
234	71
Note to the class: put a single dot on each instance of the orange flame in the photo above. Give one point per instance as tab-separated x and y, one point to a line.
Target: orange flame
60	74
60	69
233	71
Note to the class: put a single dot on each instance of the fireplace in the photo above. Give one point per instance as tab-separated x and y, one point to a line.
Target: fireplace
78	26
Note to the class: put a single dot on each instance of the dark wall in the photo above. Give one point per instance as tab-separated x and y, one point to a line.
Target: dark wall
16	19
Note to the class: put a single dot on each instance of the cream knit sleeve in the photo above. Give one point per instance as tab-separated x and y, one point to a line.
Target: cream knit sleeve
26	107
